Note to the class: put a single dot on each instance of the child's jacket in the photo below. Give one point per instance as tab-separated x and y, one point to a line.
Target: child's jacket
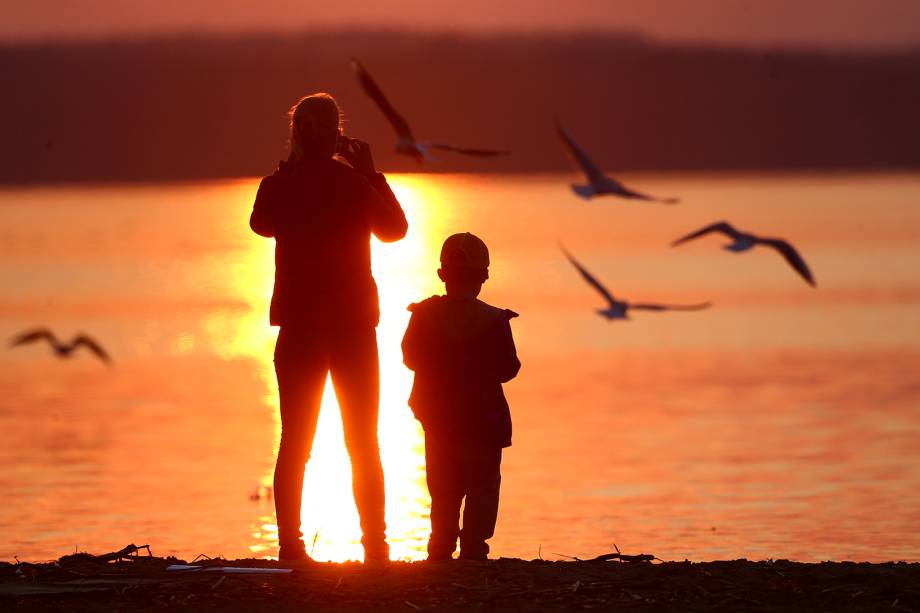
461	351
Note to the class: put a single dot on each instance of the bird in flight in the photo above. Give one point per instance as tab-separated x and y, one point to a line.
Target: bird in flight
744	241
598	182
618	309
405	140
62	350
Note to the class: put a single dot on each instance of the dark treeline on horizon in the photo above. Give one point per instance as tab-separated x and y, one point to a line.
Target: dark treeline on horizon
177	108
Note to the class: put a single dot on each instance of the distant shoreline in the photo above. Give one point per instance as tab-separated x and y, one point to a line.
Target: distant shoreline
564	176
183	107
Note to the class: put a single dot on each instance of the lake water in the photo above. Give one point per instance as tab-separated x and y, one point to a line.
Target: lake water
782	423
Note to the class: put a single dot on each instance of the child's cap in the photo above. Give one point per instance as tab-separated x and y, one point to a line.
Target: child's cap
464	250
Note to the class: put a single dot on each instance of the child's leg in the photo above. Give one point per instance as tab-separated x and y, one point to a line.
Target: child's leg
446	492
481	510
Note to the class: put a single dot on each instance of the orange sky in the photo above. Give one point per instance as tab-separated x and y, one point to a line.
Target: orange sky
824	23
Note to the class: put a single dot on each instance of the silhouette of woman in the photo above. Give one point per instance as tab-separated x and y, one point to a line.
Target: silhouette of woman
321	213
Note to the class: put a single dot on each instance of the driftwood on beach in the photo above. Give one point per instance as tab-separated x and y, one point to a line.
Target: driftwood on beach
125	580
123	553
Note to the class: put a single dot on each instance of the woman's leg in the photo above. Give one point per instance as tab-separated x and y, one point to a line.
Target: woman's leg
356	378
301	367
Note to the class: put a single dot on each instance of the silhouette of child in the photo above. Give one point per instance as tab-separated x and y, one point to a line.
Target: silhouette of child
461	350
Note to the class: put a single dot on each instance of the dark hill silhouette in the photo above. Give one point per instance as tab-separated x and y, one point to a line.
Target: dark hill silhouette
174	108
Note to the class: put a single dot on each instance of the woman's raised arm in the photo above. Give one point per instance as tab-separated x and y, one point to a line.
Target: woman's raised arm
262	220
386	217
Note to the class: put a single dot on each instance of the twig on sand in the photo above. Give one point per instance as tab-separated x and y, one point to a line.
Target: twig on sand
313	545
622	557
562	555
642	557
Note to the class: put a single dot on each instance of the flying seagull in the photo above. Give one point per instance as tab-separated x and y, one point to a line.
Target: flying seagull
745	241
62	350
599	183
617	309
406	143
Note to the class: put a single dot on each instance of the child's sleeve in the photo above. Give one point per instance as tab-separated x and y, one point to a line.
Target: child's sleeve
412	342
507	364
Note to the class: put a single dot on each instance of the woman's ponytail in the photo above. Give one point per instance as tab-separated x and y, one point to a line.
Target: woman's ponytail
316	122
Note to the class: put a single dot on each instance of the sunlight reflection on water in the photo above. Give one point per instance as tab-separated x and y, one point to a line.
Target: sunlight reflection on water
781	423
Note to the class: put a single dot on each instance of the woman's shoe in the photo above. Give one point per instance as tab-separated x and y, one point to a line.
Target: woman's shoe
295	551
376	552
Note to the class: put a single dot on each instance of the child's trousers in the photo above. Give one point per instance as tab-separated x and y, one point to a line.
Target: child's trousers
455	472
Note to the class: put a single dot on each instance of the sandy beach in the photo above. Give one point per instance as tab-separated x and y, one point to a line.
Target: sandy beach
83	582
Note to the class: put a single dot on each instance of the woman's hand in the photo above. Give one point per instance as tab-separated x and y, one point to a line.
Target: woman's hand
358	154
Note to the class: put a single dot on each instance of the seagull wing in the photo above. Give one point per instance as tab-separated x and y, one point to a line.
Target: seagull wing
720	226
34	335
373	90
590	169
792	256
628	193
587	276
93	346
647	306
485	153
